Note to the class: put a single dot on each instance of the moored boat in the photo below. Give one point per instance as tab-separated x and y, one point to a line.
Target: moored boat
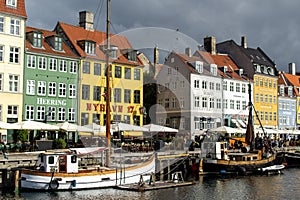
60	171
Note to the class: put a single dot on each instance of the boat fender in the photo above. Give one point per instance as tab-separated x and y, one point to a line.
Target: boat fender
54	184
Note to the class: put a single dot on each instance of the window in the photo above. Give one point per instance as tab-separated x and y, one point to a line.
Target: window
53	64
30	87
274	116
167	103
97	69
86	67
13	83
173	102
137	74
127	119
204	84
204	102
237	87
31	61
89	47
29	113
12	3
132	56
127	73
15	27
211	103
84	119
52	89
51	114
270	114
42	63
270	98
197	102
62	90
127	94
257	97
1	82
225	103
137	98
1	24
63	66
196	84
218	86
281	90
37	40
1	53
85	92
61	114
14	54
261	98
57	43
96	93
211	85
41	88
73	67
40	113
71	114
181	102
225	86
219	104
244	105
238	105
274	97
266	116
266	98
231	87
270	85
118	72
261	82
12	111
72	91
117	95
256	81
231	104
199	66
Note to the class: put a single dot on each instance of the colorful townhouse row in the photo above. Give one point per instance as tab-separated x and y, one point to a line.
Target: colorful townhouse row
60	75
213	87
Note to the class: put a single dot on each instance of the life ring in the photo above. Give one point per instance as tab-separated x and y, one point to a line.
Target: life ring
53	184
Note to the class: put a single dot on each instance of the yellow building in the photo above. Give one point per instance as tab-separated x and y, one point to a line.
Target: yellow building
265	100
126	74
12	34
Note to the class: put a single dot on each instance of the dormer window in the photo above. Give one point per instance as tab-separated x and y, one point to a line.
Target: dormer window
58	43
281	90
199	66
11	3
37	39
290	91
131	55
88	46
225	69
113	52
257	68
213	69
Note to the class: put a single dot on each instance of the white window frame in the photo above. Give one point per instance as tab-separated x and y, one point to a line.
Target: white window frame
14	54
42	63
1	24
40	112
42	88
62	90
1	53
52	89
73	67
53	64
12	3
15	26
63	66
31	61
13	83
71	114
72	91
61	114
30	87
1	81
29	112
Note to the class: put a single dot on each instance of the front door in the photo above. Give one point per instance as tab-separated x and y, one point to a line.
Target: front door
62	163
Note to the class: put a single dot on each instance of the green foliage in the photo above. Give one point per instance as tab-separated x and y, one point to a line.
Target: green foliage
59	143
22	136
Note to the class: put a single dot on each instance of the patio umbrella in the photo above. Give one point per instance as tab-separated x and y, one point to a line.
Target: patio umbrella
227	129
5	125
127	127
34	125
159	128
69	127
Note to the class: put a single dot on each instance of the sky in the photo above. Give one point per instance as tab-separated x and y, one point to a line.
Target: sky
272	25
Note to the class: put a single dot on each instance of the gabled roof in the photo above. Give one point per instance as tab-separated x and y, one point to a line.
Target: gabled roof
76	33
46	48
19	11
290	80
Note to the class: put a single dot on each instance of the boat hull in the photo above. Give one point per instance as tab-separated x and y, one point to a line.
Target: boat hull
37	180
236	167
290	159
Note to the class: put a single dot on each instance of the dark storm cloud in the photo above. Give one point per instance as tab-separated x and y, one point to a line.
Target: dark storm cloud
272	25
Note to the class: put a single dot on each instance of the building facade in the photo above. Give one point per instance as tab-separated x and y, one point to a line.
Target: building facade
12	43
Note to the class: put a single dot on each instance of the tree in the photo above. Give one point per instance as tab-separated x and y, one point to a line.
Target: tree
59	143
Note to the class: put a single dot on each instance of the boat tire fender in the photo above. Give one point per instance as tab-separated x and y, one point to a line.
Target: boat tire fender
54	184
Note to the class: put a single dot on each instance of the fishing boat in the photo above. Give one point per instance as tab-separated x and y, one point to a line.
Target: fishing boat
60	170
217	158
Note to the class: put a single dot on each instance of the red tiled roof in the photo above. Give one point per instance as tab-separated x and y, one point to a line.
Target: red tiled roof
46	47
20	10
294	80
76	33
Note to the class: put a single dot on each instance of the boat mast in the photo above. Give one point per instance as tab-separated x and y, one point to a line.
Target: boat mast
108	82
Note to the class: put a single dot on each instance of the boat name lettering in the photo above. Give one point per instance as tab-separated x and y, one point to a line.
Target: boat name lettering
53	102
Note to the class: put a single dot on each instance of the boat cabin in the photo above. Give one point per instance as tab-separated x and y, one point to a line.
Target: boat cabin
66	162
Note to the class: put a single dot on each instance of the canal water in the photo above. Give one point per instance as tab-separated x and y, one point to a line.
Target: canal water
284	186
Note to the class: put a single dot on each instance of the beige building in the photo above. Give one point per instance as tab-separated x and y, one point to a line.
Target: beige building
12	33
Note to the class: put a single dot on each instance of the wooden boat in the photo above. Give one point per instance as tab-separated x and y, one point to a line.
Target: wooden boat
217	158
60	171
289	158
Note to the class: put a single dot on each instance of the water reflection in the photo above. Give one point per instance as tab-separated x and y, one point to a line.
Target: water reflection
283	186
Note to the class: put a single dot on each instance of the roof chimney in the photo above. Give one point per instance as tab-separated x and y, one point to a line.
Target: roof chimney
156	56
86	20
292	68
188	52
210	44
244	42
